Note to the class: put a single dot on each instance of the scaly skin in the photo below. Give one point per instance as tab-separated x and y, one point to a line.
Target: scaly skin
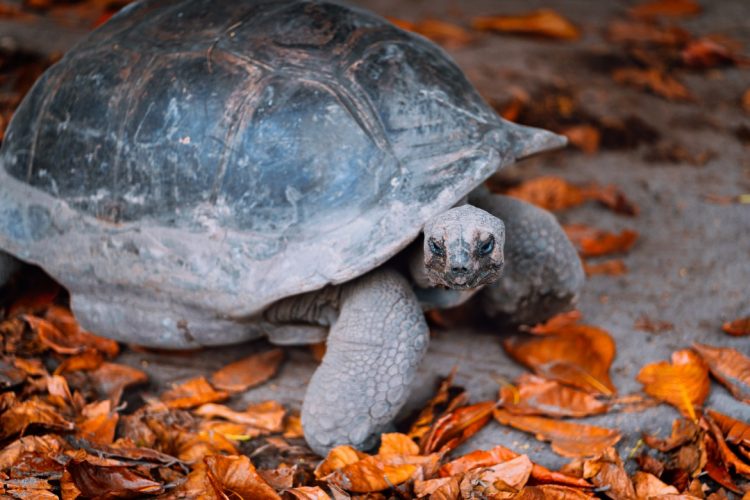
543	274
373	351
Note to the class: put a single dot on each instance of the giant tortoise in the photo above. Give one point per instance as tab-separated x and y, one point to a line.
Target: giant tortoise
204	172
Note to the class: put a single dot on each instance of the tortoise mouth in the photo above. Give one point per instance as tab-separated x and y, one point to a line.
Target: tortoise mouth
467	281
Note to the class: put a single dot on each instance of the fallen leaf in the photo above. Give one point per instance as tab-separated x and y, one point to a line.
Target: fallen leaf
293	426
98	429
568	439
550	193
577	355
738	327
543	23
551	492
248	372
29	413
370	474
746	101
338	458
444	400
654	80
29	446
498	454
109	482
194	392
610	267
110	379
455	427
398	443
612	198
684	383
584	137
607	472
639	32
308	493
268	415
735	431
715	467
447	34
728	366
666	8
706	52
728	457
88	360
499	481
647	324
236	476
74	336
443	488
592	242
683	432
533	395
648	486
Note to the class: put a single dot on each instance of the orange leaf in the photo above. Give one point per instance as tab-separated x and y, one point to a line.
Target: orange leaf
193	392
551	492
611	267
31	412
308	493
248	372
585	137
728	366
443	400
648	486
64	320
456	426
592	242
268	415
88	360
397	443
727	455
628	32
654	80
550	193
448	34
338	458
543	23
577	355
738	327
370	474
498	481
110	379
715	467
666	8
706	53
684	383
567	438
607	471
735	431
109	481
611	197
236	476
498	454
443	488
538	396
683	432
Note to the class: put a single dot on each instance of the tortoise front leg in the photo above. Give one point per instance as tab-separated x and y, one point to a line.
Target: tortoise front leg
374	348
543	274
9	266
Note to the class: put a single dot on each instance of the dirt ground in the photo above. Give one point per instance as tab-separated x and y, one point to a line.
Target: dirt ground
690	266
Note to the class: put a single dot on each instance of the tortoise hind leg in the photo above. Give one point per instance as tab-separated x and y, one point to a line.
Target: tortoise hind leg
9	266
373	350
543	273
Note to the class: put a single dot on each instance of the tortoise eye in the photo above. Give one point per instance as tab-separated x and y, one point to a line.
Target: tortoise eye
436	248
487	247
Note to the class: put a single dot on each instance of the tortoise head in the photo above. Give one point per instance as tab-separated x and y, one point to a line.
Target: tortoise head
463	248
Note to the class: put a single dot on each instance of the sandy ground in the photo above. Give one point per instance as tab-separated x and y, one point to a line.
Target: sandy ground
690	267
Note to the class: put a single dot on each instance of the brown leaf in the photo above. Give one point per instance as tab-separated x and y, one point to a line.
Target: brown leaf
338	458
647	486
577	355
308	493
735	431
551	193
110	379
236	476
741	326
397	443
647	324
551	492
538	396
447	34
715	467
109	482
607	471
610	267
194	392
654	80
99	428
29	446
684	383
746	101
32	412
443	488
568	439
731	461
74	336
728	366
88	360
499	481
543	23
585	137
629	32
612	198
592	242
293	426
499	454
248	372
268	415
683	432
666	8
705	52
455	427
443	400
371	474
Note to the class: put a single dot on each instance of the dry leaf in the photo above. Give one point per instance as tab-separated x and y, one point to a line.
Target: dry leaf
647	486
308	493
499	454
194	392
110	379
612	198
654	80
268	415
734	431
730	460
29	413
610	267
443	400
666	8
371	474
738	327
683	432
607	472
443	488
629	32
109	482
550	193
248	372
533	395
728	366
684	383
715	467
577	355
551	492
88	360
567	438
499	481
585	137
543	22
397	443
455	427
236	476
704	53
338	458
592	242
75	337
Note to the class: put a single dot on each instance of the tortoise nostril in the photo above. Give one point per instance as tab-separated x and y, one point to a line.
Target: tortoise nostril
459	269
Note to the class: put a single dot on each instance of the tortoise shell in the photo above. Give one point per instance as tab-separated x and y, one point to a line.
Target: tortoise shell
227	153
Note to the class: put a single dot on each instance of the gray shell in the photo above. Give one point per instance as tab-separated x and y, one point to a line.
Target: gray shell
225	154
